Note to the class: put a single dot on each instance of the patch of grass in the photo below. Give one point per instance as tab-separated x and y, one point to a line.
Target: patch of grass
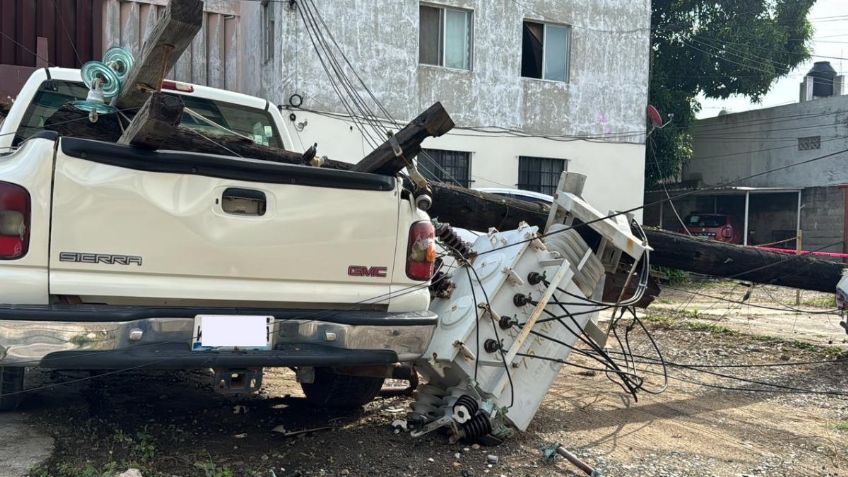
828	301
832	351
709	328
659	320
210	469
78	469
841	426
672	276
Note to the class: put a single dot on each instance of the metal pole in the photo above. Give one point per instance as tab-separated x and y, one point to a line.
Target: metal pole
798	242
747	205
576	461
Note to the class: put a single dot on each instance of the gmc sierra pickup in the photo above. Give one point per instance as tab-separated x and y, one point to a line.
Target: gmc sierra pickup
116	257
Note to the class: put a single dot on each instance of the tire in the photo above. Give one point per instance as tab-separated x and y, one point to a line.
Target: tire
341	391
11	387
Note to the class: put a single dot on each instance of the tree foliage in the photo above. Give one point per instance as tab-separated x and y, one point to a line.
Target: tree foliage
718	48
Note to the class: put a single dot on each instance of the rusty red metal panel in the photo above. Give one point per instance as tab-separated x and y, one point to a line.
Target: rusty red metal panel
97	30
12	78
83	29
65	20
73	29
47	27
8	33
25	27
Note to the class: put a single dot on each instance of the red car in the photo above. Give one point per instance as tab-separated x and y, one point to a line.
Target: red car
714	226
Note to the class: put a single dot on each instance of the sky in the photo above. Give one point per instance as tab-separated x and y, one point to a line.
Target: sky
830	38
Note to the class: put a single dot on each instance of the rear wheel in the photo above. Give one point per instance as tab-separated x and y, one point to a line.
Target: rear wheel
340	390
11	387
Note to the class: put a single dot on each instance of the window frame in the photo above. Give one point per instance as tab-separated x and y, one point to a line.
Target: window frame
809	143
525	185
268	31
469	33
468	180
569	38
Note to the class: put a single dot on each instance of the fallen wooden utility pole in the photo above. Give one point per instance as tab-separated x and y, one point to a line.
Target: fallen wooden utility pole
710	257
155	122
433	122
478	211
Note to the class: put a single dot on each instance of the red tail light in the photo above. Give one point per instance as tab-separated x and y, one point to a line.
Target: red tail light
14	221
421	251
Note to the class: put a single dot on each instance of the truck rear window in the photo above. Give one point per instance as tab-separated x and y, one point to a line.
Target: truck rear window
255	124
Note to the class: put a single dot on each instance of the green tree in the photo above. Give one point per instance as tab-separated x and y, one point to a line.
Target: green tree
719	48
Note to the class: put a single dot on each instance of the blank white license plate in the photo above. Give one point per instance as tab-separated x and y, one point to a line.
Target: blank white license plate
232	332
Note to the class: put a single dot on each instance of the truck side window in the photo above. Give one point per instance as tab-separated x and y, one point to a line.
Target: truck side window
50	97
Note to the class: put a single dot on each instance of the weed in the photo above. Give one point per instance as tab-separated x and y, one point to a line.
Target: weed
841	426
709	328
833	352
672	276
828	301
210	469
664	321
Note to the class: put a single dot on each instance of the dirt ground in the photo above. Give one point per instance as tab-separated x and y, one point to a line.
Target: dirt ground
169	424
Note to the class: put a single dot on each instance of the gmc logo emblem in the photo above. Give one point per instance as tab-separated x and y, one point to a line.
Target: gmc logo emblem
363	271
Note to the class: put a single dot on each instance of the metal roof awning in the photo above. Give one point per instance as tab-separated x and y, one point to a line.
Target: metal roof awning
734	190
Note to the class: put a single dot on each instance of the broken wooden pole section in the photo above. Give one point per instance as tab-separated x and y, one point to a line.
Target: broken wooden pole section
155	122
719	259
433	122
168	40
477	211
69	121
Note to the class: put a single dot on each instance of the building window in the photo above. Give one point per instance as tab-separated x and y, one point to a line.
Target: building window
451	167
444	37
545	50
267	30
539	174
809	143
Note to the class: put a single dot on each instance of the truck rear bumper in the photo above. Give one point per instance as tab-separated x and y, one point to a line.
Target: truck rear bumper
111	337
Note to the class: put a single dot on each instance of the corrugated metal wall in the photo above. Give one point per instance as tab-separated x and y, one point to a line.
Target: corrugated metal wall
213	58
72	29
76	31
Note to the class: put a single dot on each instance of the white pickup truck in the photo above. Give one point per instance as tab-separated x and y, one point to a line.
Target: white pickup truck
115	257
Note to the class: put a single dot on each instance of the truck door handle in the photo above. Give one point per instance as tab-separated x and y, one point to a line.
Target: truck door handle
238	201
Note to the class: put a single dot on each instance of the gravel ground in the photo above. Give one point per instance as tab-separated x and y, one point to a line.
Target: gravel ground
169	424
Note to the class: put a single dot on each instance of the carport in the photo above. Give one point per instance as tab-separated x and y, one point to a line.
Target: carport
768	215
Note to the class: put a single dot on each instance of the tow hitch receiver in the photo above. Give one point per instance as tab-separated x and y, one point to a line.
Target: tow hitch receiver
237	381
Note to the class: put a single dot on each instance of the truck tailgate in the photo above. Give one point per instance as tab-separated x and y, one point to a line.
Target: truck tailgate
132	225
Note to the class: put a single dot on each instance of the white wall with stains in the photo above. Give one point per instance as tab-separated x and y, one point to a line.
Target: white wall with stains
595	121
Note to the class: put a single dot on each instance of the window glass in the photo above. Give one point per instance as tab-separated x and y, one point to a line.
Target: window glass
457	39
539	174
430	36
253	123
445	166
545	51
556	52
531	51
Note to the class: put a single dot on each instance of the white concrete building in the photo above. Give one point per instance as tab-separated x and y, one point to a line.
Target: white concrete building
779	172
534	86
